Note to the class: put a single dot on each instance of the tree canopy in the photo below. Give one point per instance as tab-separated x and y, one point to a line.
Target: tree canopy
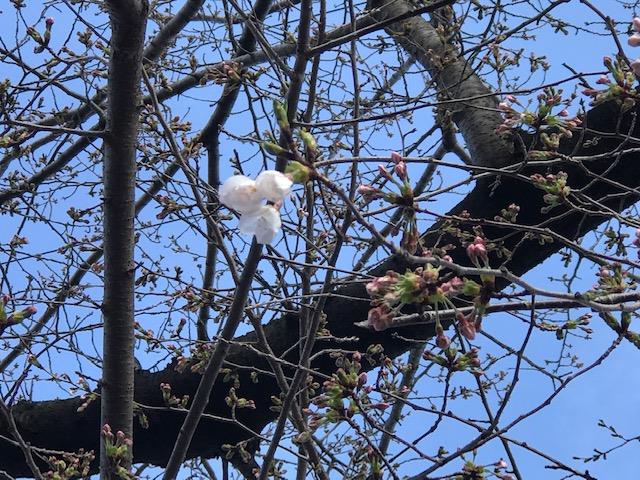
312	239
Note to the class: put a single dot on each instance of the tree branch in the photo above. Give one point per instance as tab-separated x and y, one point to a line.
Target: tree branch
57	425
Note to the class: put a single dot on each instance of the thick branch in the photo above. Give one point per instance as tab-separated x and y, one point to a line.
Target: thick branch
455	78
56	424
128	23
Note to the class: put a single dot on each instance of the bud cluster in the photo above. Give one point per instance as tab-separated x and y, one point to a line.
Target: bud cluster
118	449
288	148
636	241
634	41
580	323
555	186
550	126
171	400
477	252
71	465
454	361
234	402
611	279
404	198
619	89
14	318
509	214
421	286
345	394
198	360
41	40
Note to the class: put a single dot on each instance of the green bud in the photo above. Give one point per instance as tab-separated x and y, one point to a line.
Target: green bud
470	288
308	140
273	148
298	172
281	114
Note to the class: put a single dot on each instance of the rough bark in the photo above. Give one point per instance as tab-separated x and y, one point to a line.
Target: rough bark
476	118
128	22
56	425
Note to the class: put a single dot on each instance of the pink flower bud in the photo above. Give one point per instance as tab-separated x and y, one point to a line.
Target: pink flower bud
477	251
396	157
381	285
635	66
379	318
443	341
634	40
362	379
369	192
384	172
603	80
380	406
466	325
49	21
636	24
401	170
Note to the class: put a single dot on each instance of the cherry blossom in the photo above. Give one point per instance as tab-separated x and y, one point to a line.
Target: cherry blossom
240	193
273	185
264	223
247	196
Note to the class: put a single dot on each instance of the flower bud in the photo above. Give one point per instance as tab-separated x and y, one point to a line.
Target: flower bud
308	140
401	170
273	148
369	192
362	379
298	172
443	341
281	114
501	464
396	157
384	172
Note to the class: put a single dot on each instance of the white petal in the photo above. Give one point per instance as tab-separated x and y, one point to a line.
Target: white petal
273	185
264	223
248	222
239	192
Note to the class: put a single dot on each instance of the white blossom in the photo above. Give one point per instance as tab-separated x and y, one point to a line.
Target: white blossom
240	193
273	185
264	223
